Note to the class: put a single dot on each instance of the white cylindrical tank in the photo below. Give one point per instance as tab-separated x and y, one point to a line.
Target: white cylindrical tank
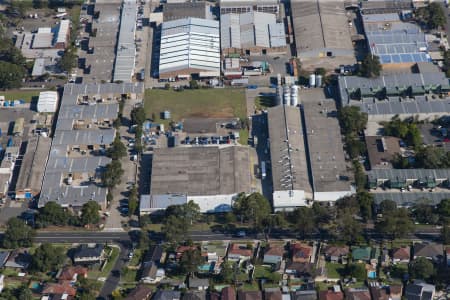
286	95
279	79
312	80
294	95
319	81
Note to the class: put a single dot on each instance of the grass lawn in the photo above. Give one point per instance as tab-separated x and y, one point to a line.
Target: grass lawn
136	258
26	95
96	273
322	286
262	272
334	270
128	275
243	137
202	103
250	287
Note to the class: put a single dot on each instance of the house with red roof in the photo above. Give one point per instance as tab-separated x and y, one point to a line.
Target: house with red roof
401	255
72	273
332	294
301	252
336	253
62	290
239	252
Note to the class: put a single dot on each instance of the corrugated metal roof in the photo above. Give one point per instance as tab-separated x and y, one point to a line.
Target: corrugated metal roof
126	47
63	31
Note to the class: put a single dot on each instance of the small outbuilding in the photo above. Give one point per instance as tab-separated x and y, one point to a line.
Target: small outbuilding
48	102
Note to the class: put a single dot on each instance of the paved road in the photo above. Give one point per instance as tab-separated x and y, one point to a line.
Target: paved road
114	277
81	237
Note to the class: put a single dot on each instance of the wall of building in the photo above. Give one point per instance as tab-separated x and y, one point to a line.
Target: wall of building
215	203
331	196
289	200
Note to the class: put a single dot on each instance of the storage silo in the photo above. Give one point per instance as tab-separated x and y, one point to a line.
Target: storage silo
286	95
294	95
319	81
312	80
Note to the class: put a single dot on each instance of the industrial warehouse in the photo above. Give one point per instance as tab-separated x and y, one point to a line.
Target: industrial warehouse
83	132
212	177
189	46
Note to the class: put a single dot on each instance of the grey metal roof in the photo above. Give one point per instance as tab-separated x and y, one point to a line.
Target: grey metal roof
251	29
287	149
408	174
126	47
408	199
200	171
84	137
326	151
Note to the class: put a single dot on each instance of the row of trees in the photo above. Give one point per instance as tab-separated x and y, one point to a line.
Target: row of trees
404	129
432	16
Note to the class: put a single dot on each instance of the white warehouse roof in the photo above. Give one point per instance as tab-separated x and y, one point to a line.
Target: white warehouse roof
190	43
64	27
47	102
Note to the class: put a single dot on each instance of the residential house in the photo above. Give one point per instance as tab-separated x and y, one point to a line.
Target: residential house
334	293
214	252
141	292
301	252
181	249
273	255
395	291
300	270
434	252
194	295
357	294
228	293
3	258
72	273
239	252
401	255
88	254
337	253
200	284
59	291
215	296
18	259
249	295
154	254
167	295
419	291
151	273
272	294
304	295
377	291
361	254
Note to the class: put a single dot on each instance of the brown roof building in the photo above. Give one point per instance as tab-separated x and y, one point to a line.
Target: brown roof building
401	255
72	273
357	294
141	292
272	294
331	295
336	253
59	289
228	293
381	150
301	252
249	295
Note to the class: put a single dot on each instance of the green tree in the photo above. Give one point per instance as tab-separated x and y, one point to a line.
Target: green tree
174	229
357	271
68	60
24	293
47	258
187	213
443	209
396	223
254	209
433	15
17	234
348	229
53	213
132	201
11	75
226	272
352	120
387	206
37	4
117	150
193	84
144	240
112	174
370	66
421	268
432	158
138	116
424	213
305	221
190	260
360	176
89	213
365	205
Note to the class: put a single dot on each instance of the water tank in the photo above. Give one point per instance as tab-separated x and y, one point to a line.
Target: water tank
279	79
312	80
319	81
294	95
286	95
6	103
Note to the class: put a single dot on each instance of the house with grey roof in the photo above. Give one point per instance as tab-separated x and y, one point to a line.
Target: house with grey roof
167	295
432	251
419	291
200	284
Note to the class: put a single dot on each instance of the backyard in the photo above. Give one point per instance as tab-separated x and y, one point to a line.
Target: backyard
202	103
